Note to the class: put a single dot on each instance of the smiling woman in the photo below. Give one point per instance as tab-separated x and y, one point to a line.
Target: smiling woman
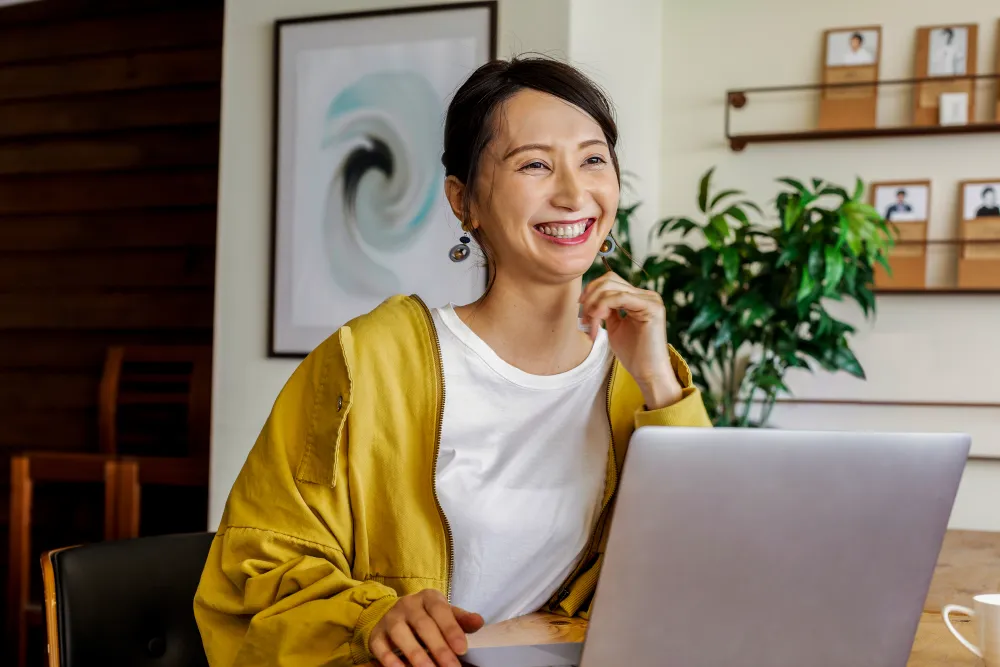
380	515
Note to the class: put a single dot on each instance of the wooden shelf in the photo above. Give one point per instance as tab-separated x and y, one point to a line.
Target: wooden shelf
738	142
738	99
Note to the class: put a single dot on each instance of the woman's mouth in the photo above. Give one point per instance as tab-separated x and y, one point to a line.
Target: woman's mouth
568	232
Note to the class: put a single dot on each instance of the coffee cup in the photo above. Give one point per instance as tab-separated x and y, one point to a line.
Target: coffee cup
986	612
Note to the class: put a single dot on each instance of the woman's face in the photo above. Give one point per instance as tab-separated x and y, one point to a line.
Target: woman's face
547	191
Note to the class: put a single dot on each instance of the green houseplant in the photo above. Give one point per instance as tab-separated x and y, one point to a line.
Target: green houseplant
746	301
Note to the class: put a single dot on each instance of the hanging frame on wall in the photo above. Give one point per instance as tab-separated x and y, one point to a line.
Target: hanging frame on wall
359	212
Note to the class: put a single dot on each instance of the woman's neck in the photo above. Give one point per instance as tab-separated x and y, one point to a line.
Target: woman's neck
532	327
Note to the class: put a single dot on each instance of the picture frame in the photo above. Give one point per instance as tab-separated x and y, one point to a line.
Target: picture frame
851	56
944	55
358	206
979	221
906	205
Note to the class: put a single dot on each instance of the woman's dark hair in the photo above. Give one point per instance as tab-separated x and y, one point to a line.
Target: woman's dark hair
858	36
473	115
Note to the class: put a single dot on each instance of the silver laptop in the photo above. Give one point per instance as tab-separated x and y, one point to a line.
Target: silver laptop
766	548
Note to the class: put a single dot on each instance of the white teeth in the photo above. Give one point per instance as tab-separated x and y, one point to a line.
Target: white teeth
565	231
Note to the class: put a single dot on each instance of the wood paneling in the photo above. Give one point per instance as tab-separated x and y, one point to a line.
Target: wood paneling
62	193
88	37
115	230
175	147
112	111
162	310
142	70
109	148
31	272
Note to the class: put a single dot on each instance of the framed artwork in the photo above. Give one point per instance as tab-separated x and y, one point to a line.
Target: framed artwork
359	212
850	57
943	53
979	213
853	47
906	206
903	201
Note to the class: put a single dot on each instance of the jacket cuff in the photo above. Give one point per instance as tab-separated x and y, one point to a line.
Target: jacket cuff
688	411
369	618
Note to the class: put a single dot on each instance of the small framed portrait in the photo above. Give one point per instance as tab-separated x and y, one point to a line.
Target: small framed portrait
979	199
853	47
948	51
906	201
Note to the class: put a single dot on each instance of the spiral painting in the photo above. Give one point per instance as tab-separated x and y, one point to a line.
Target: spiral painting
360	213
385	133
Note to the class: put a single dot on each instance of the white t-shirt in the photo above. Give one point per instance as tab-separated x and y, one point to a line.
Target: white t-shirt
520	472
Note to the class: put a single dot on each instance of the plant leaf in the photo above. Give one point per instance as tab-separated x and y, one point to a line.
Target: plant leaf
722	195
795	184
805	287
859	189
731	262
737	213
703	190
845	360
834	270
706	317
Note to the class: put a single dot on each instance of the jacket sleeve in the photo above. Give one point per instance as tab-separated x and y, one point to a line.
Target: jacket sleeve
688	411
277	587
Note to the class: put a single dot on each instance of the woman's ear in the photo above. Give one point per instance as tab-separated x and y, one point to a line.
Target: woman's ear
454	190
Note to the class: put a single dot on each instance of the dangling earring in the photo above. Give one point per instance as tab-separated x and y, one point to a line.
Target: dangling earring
607	247
460	252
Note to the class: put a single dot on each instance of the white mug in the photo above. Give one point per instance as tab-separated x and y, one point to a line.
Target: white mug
987	615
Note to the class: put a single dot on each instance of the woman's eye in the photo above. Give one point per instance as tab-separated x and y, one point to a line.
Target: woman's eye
596	159
534	165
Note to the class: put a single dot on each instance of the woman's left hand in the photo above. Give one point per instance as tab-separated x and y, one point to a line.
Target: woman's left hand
639	339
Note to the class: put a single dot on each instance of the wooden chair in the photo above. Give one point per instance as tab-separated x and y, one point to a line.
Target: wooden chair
142	376
119	479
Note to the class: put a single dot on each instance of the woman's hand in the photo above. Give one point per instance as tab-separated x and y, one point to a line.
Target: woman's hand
639	339
419	624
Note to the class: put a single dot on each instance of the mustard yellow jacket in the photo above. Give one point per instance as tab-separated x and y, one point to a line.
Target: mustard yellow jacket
334	513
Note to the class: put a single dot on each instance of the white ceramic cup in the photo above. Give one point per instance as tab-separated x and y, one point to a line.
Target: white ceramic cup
986	611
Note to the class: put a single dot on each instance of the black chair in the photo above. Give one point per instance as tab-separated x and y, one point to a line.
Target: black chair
127	603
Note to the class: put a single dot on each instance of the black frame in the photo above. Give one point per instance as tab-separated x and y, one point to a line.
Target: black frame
490	5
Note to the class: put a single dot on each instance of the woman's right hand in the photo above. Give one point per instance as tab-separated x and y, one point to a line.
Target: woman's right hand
420	620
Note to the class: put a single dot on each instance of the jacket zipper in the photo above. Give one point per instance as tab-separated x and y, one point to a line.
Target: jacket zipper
437	442
612	483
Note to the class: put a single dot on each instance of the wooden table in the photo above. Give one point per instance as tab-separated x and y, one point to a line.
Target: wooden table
969	564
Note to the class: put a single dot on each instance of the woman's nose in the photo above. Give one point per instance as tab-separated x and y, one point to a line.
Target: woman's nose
569	193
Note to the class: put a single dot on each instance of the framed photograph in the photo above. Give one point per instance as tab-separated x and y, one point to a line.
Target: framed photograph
906	206
903	201
359	209
853	47
850	62
948	51
979	265
979	199
944	52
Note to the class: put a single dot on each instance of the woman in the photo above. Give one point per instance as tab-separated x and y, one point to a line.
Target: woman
422	462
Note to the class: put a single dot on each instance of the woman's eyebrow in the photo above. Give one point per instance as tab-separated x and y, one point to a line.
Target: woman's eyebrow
546	147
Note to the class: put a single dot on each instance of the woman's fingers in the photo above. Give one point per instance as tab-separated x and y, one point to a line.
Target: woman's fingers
602	304
444	617
468	620
402	637
382	651
427	630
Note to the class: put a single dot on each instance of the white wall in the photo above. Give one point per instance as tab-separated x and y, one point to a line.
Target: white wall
921	348
629	67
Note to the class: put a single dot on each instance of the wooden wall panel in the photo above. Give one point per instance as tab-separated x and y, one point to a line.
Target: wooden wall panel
89	37
120	230
107	192
130	72
113	111
194	146
109	142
